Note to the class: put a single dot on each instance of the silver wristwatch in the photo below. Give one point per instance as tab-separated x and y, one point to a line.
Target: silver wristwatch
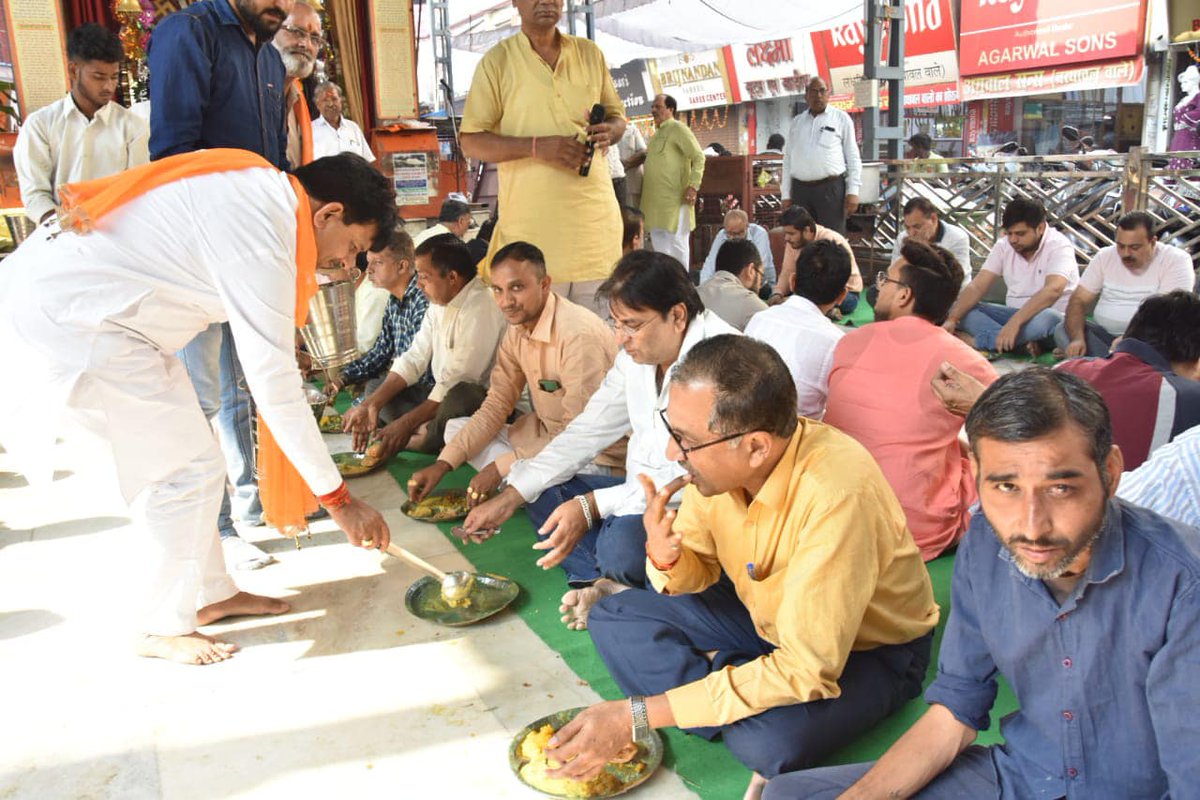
641	719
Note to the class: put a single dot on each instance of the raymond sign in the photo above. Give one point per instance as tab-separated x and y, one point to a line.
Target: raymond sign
775	68
930	62
1006	35
695	80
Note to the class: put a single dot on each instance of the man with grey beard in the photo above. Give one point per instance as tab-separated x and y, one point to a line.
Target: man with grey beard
299	42
1087	605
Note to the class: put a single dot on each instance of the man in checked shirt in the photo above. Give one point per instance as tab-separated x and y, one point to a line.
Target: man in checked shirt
392	270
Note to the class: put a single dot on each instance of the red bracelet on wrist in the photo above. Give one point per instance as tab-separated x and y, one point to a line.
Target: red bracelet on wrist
654	562
337	498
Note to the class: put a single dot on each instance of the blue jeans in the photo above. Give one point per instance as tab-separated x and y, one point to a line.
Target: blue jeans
212	364
653	642
985	320
972	774
1098	339
614	547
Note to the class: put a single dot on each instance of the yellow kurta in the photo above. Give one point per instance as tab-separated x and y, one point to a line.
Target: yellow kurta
674	161
834	570
574	220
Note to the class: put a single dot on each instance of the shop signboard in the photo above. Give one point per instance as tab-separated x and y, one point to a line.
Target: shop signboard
1096	75
998	35
930	60
774	68
632	82
695	80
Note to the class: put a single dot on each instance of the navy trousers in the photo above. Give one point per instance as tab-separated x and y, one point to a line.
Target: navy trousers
653	642
614	547
973	774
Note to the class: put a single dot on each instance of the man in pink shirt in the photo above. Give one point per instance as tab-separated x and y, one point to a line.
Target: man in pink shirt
800	229
1039	269
879	393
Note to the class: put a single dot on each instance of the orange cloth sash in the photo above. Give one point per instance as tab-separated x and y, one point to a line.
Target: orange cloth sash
303	123
285	497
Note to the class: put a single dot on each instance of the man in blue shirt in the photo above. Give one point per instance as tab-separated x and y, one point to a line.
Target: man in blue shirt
1089	607
216	81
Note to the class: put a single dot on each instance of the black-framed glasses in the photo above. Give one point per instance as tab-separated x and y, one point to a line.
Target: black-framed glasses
882	279
686	451
317	39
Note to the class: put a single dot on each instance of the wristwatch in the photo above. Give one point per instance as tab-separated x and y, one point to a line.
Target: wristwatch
641	718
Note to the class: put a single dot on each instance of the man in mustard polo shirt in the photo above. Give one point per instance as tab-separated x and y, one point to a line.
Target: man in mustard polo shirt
824	624
527	112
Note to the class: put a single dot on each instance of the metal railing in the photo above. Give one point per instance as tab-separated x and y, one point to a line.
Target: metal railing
1084	197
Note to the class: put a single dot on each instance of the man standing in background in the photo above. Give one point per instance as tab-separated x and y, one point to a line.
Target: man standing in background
84	135
333	133
527	112
632	149
299	42
674	169
822	170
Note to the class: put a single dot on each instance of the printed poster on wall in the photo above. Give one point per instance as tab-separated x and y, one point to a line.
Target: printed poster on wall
775	68
413	178
35	28
695	80
632	82
930	59
393	52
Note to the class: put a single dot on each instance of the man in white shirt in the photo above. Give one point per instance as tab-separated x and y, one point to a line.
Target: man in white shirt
1039	269
798	328
592	524
923	224
632	150
738	227
822	169
732	292
333	133
800	230
457	339
1116	282
454	217
299	41
103	359
84	135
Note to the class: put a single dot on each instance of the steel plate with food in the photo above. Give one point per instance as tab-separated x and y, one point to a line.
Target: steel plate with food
443	506
354	465
331	421
527	757
489	595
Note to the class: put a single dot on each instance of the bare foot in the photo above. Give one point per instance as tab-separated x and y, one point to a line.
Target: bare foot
578	602
1034	349
755	789
191	648
242	604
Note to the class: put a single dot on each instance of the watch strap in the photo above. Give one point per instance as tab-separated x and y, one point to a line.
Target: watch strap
641	718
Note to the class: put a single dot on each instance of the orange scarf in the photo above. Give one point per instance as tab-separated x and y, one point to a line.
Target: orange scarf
285	497
303	123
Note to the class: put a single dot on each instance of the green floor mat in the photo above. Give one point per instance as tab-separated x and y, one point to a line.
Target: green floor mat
706	767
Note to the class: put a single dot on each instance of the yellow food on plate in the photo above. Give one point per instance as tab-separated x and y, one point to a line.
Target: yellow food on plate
331	422
533	772
438	506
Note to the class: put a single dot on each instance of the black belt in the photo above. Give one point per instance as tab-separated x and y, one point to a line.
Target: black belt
819	182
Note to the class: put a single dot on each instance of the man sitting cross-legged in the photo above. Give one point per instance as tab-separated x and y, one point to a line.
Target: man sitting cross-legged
558	349
597	519
1087	605
457	340
879	394
790	609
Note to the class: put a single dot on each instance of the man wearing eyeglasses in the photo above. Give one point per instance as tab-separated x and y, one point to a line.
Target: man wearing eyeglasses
790	610
299	42
596	520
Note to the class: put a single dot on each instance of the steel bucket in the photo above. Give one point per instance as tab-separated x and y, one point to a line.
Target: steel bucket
331	333
19	227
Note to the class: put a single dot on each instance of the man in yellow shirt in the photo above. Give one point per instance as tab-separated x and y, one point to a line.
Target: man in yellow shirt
527	112
824	624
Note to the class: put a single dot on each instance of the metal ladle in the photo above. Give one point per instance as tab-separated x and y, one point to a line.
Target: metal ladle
456	586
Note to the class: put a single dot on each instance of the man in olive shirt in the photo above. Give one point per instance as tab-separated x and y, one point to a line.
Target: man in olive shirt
527	112
674	169
824	624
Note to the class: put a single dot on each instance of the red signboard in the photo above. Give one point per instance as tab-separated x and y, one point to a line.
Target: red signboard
1011	35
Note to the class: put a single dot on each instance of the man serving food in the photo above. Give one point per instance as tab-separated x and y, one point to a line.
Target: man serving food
93	310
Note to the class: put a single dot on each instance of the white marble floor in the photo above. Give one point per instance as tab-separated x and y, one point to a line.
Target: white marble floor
347	695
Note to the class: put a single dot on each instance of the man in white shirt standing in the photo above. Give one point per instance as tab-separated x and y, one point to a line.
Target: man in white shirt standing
632	150
922	224
822	169
333	133
457	340
1039	270
1116	282
592	524
739	227
84	135
798	328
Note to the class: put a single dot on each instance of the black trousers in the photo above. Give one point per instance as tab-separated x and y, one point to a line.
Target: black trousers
826	202
619	191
